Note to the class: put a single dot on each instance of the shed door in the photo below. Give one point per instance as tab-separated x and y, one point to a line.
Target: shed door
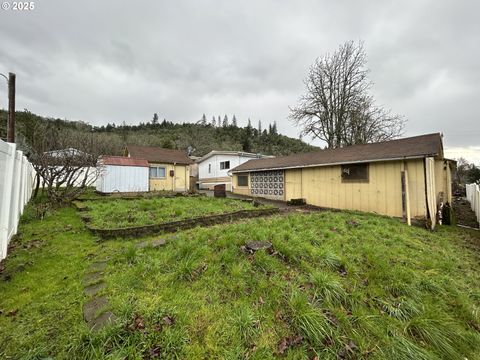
268	184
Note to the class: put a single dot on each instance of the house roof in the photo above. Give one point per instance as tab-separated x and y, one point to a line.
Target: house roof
412	147
233	153
123	161
159	155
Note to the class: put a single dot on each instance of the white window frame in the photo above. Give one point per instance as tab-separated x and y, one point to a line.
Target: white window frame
156	171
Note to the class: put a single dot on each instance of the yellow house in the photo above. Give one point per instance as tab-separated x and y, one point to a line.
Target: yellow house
402	178
169	169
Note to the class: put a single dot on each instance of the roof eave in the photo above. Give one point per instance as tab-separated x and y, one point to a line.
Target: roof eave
334	164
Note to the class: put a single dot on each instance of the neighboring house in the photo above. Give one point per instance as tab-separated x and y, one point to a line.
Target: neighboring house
68	152
406	177
214	167
122	174
169	169
66	159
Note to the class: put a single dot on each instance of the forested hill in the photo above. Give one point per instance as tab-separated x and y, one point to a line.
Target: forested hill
202	136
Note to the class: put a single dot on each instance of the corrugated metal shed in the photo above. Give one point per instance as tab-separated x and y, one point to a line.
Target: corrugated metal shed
122	174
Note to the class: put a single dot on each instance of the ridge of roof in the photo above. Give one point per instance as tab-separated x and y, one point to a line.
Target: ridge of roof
158	154
122	161
232	152
415	146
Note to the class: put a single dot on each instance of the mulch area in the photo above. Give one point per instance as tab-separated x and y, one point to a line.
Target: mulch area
463	211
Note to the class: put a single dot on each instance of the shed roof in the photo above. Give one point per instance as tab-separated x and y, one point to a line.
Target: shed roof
160	155
123	161
412	147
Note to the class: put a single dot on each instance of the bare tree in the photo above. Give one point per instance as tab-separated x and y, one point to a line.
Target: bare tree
66	162
337	106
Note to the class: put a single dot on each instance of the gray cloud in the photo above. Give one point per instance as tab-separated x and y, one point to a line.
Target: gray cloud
113	61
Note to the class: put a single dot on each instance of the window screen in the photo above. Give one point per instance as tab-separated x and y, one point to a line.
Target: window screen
224	165
242	180
355	172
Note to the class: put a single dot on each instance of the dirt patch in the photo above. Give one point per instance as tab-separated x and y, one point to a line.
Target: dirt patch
463	211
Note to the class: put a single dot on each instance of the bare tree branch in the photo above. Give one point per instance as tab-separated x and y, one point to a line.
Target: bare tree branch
337	107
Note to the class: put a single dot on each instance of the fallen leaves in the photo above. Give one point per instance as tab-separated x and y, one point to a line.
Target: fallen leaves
168	320
287	342
137	324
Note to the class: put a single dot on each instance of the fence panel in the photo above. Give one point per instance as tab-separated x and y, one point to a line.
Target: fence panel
473	196
16	182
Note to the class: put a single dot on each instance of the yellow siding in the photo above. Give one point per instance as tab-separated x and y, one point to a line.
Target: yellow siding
323	186
443	181
382	194
179	182
293	184
416	187
242	190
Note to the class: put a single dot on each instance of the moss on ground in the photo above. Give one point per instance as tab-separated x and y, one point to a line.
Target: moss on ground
338	284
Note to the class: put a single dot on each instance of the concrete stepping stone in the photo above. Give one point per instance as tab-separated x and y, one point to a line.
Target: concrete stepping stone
92	278
158	242
92	307
258	245
98	266
94	289
142	245
102	320
154	243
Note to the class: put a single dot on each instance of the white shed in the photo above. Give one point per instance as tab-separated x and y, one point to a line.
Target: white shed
122	174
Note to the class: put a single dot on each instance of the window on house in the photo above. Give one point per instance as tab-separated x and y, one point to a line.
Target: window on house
242	180
355	172
209	168
224	165
157	172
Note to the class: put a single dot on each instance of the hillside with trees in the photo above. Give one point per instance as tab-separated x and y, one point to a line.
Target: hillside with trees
203	136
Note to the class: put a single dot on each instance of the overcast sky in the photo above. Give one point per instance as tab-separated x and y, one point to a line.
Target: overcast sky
114	61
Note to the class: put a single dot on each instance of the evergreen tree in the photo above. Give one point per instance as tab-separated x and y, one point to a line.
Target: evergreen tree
274	128
214	122
219	121
155	119
259	127
225	121
246	141
203	121
234	121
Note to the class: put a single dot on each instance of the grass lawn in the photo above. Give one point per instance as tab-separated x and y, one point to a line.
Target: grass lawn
118	213
338	285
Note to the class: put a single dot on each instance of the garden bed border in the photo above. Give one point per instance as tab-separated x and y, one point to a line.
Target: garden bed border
174	226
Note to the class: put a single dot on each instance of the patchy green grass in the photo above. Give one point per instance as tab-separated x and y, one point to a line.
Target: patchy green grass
368	288
122	213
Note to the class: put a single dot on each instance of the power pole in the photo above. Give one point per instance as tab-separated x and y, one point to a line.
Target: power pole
11	108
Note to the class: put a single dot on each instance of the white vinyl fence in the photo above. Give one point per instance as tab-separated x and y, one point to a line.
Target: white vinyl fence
17	177
473	196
